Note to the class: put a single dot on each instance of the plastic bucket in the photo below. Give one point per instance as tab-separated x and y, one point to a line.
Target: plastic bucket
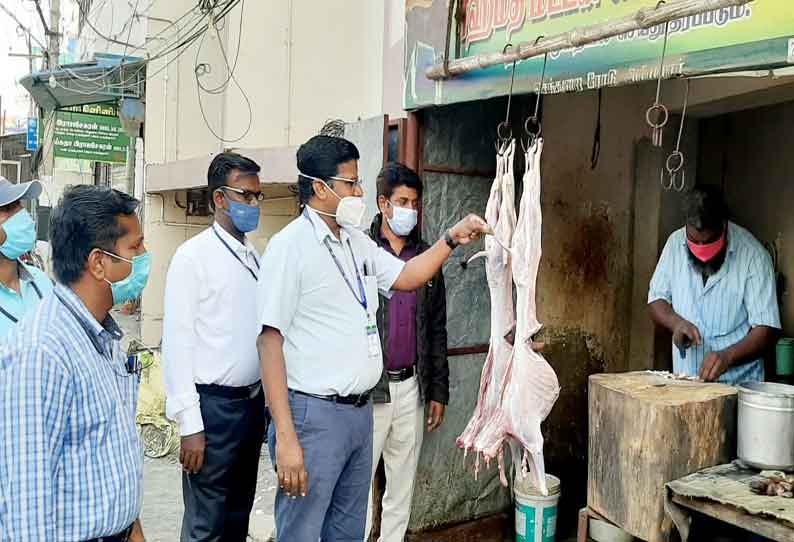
784	357
536	515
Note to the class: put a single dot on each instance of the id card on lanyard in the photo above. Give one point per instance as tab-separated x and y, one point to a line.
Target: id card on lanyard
373	339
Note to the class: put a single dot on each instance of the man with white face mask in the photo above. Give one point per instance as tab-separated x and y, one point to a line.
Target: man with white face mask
21	287
319	347
413	330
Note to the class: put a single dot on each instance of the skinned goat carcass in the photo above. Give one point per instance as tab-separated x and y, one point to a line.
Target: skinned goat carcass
518	387
501	215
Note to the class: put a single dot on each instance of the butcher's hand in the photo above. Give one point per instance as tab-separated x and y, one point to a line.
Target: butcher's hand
137	532
191	452
686	334
292	475
469	229
435	415
714	366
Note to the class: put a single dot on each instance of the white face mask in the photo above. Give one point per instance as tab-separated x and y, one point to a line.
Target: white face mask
403	220
349	212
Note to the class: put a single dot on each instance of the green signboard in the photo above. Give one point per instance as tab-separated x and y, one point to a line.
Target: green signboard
85	136
757	34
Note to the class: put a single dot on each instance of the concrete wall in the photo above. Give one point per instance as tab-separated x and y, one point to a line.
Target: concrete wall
301	62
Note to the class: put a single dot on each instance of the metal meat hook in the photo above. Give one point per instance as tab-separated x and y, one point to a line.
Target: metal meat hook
674	165
657	125
532	136
502	140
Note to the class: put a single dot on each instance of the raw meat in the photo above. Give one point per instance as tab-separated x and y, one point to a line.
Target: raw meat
501	215
518	387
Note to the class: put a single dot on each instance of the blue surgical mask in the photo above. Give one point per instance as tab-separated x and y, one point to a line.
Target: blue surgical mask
244	217
20	235
131	288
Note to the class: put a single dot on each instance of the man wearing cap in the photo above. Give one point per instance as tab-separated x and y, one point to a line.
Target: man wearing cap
21	286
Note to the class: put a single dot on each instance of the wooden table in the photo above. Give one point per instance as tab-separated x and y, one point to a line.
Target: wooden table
723	493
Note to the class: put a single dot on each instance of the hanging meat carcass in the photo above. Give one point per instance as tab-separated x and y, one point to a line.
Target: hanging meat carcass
523	383
500	213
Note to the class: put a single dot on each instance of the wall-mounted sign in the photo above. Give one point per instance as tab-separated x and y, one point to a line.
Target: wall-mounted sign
90	137
32	143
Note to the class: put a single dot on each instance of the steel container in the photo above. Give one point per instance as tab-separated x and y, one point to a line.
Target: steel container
766	425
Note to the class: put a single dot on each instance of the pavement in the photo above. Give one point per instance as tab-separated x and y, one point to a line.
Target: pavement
161	516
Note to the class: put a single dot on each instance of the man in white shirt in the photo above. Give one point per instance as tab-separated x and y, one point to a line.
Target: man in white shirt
319	347
213	386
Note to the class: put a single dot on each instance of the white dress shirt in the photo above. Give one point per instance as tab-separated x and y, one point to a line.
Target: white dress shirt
210	324
303	294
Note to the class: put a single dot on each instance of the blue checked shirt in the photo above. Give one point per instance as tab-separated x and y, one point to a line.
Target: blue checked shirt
741	296
71	462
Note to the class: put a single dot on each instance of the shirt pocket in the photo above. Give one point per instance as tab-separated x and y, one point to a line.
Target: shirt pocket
373	299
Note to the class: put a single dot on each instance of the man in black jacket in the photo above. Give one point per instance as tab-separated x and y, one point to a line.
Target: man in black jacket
413	333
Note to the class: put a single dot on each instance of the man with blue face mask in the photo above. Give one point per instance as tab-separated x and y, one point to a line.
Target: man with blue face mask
413	332
21	286
70	456
213	387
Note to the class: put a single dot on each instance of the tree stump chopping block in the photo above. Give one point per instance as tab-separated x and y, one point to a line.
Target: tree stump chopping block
647	430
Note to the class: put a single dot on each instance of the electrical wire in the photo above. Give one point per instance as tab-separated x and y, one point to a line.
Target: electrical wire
199	87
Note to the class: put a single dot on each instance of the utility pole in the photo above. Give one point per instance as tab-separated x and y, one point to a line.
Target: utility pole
55	33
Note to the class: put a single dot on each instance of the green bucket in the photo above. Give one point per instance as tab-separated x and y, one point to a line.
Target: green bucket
784	357
536	514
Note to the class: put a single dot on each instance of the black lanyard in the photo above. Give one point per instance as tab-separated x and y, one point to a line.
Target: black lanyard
13	318
362	291
237	257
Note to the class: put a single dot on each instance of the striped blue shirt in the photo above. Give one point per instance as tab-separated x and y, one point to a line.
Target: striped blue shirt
740	296
71	462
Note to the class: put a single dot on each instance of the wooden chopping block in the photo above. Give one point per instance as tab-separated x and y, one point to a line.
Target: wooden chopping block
647	430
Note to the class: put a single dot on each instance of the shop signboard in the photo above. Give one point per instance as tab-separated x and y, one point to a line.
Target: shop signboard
88	136
759	34
32	141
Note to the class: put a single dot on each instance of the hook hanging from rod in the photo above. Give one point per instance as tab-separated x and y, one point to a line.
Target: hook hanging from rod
658	109
533	135
503	140
674	165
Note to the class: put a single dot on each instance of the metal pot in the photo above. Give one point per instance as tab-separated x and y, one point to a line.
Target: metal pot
766	425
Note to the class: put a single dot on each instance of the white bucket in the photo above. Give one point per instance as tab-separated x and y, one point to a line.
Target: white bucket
536	515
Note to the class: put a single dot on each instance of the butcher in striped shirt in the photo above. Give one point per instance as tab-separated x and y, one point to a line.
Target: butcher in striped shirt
714	289
71	462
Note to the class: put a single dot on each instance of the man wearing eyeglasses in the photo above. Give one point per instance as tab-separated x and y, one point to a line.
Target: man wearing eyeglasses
213	387
319	347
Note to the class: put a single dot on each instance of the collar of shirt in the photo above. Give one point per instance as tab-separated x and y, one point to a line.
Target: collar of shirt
24	276
243	250
321	229
108	329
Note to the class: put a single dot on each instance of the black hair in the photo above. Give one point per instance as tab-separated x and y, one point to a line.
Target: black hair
320	157
395	174
86	218
705	208
222	165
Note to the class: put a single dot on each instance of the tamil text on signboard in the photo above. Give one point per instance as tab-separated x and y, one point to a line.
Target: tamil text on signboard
90	137
725	39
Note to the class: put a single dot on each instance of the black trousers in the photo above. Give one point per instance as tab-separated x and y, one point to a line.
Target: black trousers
218	499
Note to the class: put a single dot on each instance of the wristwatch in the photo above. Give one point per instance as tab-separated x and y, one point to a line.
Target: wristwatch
451	243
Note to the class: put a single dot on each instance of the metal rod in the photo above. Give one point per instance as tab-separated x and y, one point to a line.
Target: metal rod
644	18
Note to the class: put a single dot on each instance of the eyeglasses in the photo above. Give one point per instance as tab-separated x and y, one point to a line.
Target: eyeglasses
355	182
247	195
